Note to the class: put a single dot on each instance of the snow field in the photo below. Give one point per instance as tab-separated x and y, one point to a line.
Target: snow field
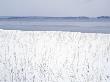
42	56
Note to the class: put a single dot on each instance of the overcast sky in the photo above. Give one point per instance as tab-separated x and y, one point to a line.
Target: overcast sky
54	7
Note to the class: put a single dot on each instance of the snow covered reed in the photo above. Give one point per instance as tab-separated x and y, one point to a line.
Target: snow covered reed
42	56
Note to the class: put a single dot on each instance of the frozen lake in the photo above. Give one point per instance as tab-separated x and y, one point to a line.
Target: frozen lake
56	25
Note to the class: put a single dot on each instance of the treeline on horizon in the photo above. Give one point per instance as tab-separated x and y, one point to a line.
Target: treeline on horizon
45	17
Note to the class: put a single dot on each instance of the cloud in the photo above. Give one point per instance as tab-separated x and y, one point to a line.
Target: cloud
55	7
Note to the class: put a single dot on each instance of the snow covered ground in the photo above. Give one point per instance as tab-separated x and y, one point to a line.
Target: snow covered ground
42	56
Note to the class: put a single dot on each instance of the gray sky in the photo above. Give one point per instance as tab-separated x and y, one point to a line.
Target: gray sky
54	7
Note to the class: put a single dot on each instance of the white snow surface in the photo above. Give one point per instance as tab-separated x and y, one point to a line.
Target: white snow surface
42	56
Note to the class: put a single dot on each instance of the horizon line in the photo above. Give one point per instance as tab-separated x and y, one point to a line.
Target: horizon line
47	16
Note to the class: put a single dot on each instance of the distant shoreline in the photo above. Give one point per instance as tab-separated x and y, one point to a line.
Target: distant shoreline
56	19
45	17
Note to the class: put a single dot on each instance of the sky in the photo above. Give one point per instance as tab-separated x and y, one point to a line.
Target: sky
55	8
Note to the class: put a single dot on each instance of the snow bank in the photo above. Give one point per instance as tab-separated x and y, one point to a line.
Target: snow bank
34	56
